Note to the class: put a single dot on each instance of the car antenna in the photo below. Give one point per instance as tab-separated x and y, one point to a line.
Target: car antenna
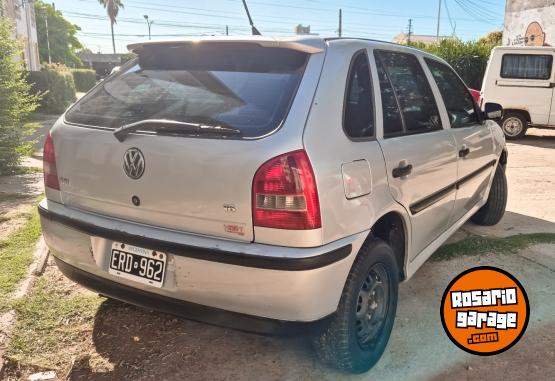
255	32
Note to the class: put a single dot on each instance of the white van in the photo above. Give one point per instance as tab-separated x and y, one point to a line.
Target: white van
521	79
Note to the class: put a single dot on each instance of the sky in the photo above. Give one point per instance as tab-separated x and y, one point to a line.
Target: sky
382	20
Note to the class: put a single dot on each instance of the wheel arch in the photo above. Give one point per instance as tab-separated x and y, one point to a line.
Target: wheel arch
394	228
523	112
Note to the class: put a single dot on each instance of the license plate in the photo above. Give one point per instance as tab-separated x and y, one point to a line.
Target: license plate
138	264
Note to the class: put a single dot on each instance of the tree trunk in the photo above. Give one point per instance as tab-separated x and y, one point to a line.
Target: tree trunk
113	40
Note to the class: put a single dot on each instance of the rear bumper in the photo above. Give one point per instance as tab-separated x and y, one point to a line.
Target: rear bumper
264	281
182	308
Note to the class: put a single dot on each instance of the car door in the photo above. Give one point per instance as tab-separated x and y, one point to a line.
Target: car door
473	138
420	155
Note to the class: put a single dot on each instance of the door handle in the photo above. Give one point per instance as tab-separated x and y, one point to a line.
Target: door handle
464	151
404	169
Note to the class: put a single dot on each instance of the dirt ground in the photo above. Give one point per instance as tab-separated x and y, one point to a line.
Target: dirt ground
125	342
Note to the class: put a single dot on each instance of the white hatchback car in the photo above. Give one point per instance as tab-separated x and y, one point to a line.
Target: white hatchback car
265	183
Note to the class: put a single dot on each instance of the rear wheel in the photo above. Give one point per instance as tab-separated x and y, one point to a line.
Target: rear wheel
357	334
514	125
494	209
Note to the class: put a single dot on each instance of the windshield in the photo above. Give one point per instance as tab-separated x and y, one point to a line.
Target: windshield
242	86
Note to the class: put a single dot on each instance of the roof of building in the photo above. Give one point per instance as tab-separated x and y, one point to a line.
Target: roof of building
424	38
100	57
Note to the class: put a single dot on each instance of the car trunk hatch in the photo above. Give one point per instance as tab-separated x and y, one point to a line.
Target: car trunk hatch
183	170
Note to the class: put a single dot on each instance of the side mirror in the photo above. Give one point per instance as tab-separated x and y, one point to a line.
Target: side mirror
493	111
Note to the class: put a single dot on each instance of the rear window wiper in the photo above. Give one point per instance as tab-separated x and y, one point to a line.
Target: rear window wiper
174	127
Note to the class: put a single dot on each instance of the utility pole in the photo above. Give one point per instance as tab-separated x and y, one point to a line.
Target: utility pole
340	30
410	31
47	38
438	18
227	30
149	23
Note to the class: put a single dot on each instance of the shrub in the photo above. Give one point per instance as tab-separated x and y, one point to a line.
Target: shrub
84	79
56	84
469	59
16	101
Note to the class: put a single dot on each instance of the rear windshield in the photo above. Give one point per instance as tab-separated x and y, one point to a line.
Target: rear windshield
243	86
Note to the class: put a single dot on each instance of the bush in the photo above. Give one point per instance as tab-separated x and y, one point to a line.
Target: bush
56	85
469	59
16	101
84	79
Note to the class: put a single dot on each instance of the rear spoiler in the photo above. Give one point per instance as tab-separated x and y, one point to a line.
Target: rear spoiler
310	45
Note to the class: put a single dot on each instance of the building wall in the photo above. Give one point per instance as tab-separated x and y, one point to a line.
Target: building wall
529	23
25	30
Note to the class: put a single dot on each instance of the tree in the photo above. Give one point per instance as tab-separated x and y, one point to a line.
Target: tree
112	8
16	101
62	43
492	38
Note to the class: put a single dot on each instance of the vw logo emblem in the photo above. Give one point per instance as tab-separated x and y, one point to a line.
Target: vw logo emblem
133	163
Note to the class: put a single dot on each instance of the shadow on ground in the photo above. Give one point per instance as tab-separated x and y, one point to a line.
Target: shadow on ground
536	137
149	345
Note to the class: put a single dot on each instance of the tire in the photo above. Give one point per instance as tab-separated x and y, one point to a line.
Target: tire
493	210
514	125
338	343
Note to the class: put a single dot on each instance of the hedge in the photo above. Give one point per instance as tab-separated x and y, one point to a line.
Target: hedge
56	84
84	79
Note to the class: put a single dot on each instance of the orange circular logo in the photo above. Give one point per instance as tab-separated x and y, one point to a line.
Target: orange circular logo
485	310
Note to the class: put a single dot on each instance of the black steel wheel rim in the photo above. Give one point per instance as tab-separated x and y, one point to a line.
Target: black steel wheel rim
372	306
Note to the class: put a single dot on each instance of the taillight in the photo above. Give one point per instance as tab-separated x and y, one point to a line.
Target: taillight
284	194
49	164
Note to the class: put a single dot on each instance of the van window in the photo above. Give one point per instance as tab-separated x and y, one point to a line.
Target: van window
526	66
412	90
359	106
458	101
243	86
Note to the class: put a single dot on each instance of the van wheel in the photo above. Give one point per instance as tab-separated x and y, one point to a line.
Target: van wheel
514	125
357	334
493	210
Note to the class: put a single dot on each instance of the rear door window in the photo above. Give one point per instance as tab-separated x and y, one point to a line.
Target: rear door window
526	66
458	101
243	86
413	92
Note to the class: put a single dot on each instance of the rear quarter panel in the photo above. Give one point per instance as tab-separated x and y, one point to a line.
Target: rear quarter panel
329	148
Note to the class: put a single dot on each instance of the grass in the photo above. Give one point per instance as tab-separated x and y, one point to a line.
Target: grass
52	325
11	196
16	254
23	170
476	245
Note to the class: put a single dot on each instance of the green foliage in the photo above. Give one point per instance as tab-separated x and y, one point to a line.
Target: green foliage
61	36
56	84
492	38
112	9
84	79
127	57
16	101
469	58
476	245
16	254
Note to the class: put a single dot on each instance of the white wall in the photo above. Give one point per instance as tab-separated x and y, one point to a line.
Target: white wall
529	26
